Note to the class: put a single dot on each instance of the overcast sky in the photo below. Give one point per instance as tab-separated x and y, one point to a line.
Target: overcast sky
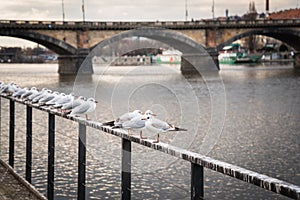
135	10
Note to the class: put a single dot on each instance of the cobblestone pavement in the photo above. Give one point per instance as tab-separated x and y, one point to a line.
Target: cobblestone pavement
12	188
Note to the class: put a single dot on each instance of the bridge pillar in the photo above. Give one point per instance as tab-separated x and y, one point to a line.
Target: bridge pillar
297	60
200	62
75	64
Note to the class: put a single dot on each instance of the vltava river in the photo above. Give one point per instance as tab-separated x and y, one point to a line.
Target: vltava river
248	116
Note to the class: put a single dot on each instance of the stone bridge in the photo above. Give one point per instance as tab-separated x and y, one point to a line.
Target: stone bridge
199	41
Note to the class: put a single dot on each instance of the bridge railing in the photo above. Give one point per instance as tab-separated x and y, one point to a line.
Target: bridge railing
199	24
198	162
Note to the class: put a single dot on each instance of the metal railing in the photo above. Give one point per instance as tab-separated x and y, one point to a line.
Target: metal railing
198	162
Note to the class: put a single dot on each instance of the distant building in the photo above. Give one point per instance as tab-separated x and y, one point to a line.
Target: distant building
286	14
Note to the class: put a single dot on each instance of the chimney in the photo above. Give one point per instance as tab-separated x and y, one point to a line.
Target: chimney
267	6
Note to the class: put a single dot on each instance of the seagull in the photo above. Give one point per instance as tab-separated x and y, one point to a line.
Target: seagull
32	90
73	104
47	97
85	107
41	95
9	88
159	126
36	94
64	100
123	118
57	97
138	122
20	92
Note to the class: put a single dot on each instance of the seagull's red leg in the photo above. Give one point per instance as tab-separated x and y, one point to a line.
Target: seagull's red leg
157	139
141	135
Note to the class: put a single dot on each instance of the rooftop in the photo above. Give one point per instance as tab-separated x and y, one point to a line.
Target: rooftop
286	14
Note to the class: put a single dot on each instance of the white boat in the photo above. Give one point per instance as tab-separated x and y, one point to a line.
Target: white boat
170	56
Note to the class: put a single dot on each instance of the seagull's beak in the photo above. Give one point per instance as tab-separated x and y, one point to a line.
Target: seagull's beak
96	101
153	114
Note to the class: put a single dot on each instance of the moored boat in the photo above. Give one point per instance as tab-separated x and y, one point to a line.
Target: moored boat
233	53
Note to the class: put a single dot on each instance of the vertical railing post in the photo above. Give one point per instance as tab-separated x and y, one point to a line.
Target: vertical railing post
81	161
126	170
11	132
28	143
197	182
0	123
51	140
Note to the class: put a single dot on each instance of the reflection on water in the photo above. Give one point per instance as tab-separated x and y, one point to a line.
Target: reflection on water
259	129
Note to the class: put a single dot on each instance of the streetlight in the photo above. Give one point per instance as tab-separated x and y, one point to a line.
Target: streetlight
63	10
186	11
213	9
83	14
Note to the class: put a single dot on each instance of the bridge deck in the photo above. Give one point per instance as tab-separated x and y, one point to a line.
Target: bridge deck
12	186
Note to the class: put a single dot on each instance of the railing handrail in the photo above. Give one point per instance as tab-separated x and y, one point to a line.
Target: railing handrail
261	180
201	24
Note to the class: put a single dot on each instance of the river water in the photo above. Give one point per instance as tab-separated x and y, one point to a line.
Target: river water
248	116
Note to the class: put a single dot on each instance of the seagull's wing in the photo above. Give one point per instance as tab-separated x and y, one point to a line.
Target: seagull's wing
134	123
124	117
64	100
80	109
159	124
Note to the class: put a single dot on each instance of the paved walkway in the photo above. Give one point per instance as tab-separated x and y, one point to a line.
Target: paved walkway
14	187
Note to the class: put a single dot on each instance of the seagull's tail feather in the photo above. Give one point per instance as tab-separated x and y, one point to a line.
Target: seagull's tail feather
67	112
110	123
117	126
179	129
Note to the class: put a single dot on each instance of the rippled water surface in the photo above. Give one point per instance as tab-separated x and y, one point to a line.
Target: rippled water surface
248	116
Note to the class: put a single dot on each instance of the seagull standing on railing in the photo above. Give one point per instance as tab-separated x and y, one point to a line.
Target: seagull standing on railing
32	90
20	92
55	99
41	95
64	100
48	97
159	126
137	123
85	107
36	94
73	104
9	88
123	118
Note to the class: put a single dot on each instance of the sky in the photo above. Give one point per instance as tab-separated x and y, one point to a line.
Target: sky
124	10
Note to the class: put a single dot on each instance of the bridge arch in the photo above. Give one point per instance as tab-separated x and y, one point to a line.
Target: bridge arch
290	37
58	46
194	55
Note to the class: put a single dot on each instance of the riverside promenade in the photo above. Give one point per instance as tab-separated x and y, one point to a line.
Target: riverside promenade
13	186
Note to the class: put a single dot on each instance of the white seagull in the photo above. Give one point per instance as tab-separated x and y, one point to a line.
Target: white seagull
30	92
159	126
36	94
123	118
138	123
55	99
73	104
64	100
41	95
19	92
9	88
85	107
48	97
